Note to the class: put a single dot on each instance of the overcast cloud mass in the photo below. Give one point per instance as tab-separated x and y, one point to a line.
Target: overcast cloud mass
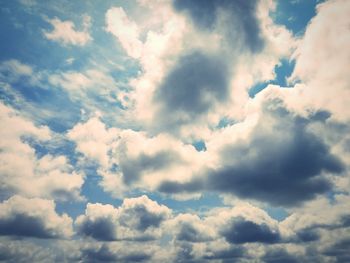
175	131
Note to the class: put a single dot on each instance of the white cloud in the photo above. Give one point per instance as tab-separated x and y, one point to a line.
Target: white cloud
48	176
126	31
323	59
33	218
65	32
142	161
94	140
172	34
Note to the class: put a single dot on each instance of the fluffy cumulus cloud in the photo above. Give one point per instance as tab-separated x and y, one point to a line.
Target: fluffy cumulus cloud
322	58
175	131
278	148
136	219
22	217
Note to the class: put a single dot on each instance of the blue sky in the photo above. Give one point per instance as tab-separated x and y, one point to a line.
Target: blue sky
174	131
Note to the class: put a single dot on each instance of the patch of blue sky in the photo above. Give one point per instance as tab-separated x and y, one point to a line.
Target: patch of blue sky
23	31
295	14
277	213
224	122
199	145
282	71
72	208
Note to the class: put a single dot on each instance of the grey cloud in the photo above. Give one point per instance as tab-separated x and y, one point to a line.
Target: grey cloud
308	235
283	166
21	251
228	255
287	164
145	218
132	169
104	254
340	251
137	219
196	83
241	231
242	24
189	233
185	253
25	225
100	229
279	256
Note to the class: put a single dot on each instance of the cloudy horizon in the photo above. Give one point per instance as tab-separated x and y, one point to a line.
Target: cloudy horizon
175	131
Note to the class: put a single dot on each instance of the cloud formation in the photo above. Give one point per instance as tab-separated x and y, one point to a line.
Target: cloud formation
65	33
45	176
210	13
174	131
21	217
279	150
136	219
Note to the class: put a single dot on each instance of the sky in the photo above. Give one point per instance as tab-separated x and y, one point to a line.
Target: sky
175	131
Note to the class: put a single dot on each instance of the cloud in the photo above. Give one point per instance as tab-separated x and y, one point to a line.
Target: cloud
280	158
106	254
22	251
48	176
339	251
93	139
207	15
279	256
322	59
170	46
192	88
65	33
241	231
34	217
99	222
319	214
129	159
15	68
126	31
191	228
136	219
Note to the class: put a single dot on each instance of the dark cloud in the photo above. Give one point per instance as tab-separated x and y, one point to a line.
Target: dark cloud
340	251
242	25
188	232
228	255
308	235
196	83
25	226
145	218
104	254
185	253
197	184
100	229
345	221
241	231
282	166
279	256
132	169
